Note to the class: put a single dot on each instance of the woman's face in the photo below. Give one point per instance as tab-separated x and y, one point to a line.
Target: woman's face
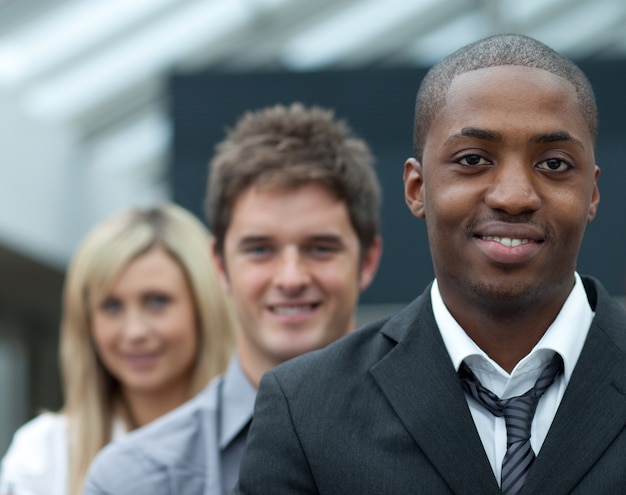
145	328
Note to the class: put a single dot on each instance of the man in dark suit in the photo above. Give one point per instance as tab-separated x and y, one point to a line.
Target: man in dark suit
508	373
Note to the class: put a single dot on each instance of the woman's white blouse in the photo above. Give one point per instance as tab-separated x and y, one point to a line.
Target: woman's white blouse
36	461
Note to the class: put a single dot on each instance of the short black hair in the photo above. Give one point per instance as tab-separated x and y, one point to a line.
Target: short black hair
495	51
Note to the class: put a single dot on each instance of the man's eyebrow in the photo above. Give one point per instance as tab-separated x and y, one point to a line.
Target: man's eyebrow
256	239
477	133
252	239
325	238
543	138
555	137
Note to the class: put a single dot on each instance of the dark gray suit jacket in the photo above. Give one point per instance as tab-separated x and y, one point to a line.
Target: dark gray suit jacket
382	411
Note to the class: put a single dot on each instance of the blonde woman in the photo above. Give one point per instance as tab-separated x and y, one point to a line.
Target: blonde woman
145	326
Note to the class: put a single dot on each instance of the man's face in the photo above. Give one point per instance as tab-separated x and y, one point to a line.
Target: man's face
507	185
291	262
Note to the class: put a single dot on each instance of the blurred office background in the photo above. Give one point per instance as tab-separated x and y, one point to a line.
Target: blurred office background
106	104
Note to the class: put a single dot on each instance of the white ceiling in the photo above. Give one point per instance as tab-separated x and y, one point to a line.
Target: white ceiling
97	67
92	63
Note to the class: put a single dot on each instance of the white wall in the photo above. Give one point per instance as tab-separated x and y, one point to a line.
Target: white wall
54	184
35	167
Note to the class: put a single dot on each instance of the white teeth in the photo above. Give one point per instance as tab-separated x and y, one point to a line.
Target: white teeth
291	310
506	241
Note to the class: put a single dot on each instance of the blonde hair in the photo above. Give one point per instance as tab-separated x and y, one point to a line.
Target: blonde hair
90	390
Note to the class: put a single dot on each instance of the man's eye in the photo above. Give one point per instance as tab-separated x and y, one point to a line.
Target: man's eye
257	250
473	160
554	165
323	250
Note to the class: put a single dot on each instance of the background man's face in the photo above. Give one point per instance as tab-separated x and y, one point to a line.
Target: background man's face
292	264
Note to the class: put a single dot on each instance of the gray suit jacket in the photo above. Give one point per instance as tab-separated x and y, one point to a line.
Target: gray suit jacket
193	450
382	412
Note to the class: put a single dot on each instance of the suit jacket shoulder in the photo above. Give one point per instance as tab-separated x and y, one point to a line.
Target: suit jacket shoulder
166	457
610	316
586	443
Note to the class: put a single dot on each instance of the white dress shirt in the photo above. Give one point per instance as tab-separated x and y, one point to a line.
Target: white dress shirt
565	336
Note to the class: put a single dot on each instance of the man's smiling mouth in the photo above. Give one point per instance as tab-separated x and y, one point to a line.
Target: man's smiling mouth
506	241
291	309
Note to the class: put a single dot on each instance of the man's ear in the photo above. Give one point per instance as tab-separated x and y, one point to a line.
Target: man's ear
414	187
595	197
370	262
220	264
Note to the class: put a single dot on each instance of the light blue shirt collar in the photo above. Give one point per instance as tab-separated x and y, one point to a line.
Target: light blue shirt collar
237	401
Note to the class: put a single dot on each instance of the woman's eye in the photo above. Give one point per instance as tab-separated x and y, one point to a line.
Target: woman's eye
157	301
111	305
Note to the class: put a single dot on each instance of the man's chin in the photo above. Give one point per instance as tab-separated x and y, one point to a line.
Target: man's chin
510	297
294	350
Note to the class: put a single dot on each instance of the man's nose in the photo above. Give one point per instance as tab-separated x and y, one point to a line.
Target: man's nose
292	273
513	188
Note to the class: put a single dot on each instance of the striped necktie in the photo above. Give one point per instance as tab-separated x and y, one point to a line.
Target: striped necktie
518	414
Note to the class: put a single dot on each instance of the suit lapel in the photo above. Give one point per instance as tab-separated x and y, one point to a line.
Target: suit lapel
418	379
593	409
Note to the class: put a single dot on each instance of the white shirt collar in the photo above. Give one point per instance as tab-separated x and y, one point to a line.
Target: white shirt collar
566	336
